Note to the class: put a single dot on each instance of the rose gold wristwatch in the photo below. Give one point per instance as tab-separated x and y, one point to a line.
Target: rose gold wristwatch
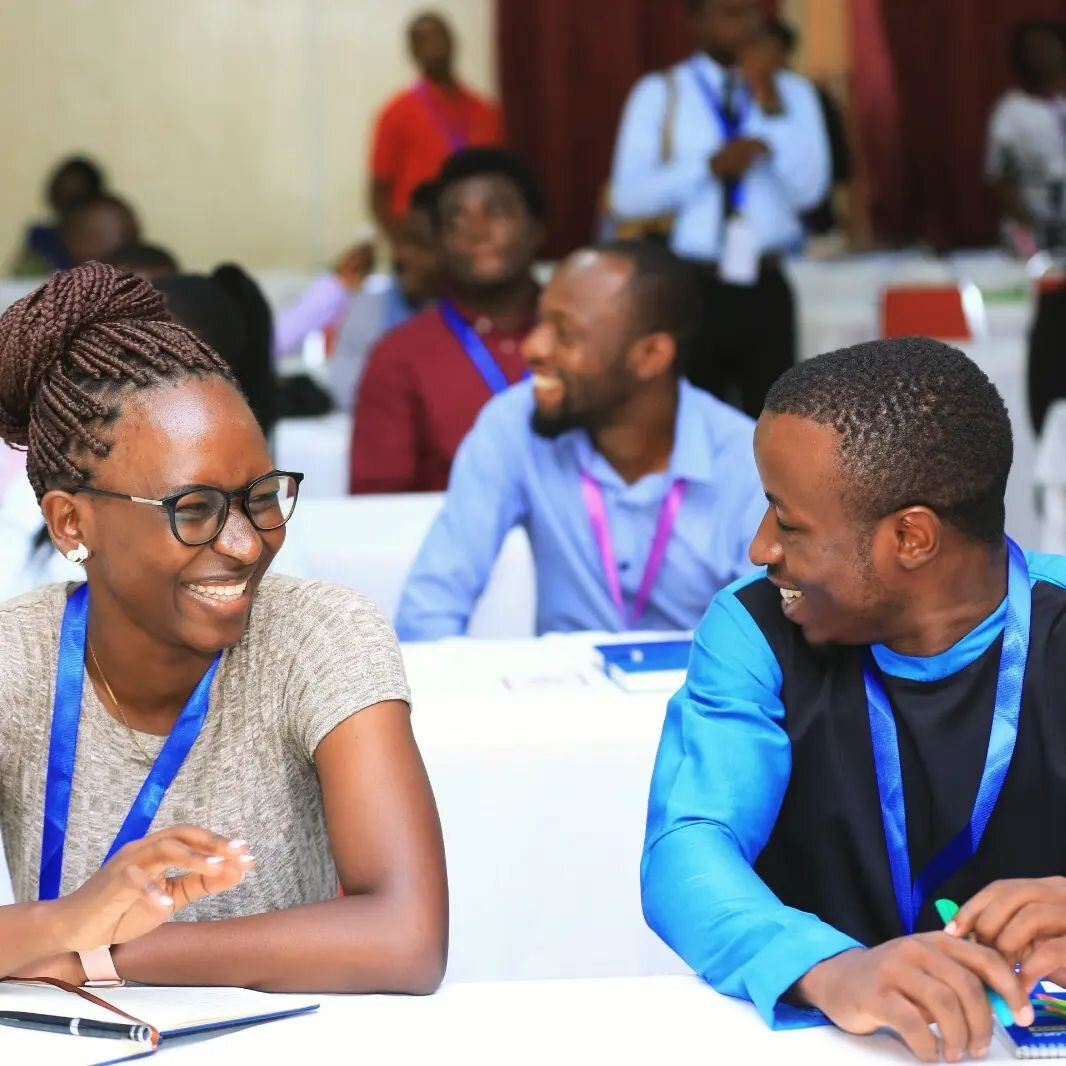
99	969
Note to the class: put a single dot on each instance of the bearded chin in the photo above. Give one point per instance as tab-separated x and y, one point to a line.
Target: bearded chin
552	426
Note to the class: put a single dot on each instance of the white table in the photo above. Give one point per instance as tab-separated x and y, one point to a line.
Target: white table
369	543
650	1021
541	768
318	448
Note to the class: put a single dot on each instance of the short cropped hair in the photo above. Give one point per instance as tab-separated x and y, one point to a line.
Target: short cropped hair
920	423
474	162
664	294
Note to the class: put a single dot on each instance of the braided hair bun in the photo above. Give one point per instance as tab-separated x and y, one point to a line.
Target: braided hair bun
68	349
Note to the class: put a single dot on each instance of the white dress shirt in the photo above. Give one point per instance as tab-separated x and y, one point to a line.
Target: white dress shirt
1027	145
776	189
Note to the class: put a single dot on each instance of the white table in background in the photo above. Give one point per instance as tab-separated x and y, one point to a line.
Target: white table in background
319	449
649	1021
369	543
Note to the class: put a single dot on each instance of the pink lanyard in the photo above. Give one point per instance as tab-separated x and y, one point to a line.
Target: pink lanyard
458	138
601	532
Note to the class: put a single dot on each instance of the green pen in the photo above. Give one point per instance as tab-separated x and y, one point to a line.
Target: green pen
947	909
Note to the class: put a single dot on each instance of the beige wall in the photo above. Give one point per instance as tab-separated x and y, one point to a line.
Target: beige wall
238	128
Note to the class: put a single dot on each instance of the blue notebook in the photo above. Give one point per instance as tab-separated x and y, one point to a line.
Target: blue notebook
1044	1039
178	1014
646	666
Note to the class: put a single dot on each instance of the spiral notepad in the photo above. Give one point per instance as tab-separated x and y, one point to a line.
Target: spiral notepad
1044	1039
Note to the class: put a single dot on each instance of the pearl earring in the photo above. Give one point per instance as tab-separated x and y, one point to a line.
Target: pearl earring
79	554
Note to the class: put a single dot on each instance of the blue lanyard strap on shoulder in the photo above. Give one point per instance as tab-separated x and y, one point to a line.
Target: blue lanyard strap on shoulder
910	896
63	746
730	122
476	349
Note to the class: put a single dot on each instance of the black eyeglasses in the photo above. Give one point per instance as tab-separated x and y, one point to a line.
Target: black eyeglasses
198	514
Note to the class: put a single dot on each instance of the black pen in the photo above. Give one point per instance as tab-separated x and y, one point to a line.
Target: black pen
52	1023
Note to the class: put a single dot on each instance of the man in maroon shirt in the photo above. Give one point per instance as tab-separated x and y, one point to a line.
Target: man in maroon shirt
426	381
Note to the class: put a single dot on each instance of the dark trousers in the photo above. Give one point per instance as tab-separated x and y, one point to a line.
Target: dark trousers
1047	366
748	338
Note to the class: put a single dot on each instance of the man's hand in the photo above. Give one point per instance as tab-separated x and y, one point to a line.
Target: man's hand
1025	921
734	159
355	264
909	983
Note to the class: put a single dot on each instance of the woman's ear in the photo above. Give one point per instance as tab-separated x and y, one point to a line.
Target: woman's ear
65	521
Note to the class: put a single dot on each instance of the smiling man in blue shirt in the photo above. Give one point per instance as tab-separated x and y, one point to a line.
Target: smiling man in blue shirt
876	721
639	493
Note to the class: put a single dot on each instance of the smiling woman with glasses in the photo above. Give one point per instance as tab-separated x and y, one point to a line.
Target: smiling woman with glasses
181	686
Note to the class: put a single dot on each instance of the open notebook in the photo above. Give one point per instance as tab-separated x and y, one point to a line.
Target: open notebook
174	1012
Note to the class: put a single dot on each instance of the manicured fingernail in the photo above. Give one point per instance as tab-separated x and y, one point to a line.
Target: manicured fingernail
951	928
236	845
1025	1016
214	860
165	901
981	1052
247	859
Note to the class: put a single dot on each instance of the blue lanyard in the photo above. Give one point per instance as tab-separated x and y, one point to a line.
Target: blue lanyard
910	896
476	349
731	125
63	746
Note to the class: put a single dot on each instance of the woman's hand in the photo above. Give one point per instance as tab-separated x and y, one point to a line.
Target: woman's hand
132	894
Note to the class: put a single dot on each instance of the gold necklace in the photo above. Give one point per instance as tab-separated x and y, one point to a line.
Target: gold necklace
118	706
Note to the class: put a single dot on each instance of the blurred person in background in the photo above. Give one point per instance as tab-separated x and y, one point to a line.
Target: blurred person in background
418	129
381	305
228	312
782	40
359	307
148	261
639	493
1026	153
750	155
73	182
426	381
97	228
322	304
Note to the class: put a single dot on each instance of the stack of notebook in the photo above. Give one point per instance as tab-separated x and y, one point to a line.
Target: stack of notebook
647	666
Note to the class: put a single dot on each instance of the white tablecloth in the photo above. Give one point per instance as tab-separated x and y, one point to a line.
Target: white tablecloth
651	1021
838	301
319	449
541	769
369	543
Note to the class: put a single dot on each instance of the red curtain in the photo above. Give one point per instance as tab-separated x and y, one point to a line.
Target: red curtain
565	69
927	75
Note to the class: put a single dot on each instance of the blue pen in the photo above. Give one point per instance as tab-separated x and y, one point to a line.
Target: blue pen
947	911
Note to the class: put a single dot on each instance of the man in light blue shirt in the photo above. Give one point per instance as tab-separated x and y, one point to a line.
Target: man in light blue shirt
748	155
639	493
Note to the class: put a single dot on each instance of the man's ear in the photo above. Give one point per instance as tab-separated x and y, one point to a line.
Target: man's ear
652	355
918	532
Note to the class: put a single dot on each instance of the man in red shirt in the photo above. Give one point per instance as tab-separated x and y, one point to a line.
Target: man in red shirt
426	381
420	128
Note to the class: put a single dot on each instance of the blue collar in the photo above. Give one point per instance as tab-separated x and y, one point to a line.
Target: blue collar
936	667
710	69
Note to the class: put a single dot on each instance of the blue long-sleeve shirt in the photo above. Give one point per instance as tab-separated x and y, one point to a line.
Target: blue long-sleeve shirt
777	189
727	762
506	475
